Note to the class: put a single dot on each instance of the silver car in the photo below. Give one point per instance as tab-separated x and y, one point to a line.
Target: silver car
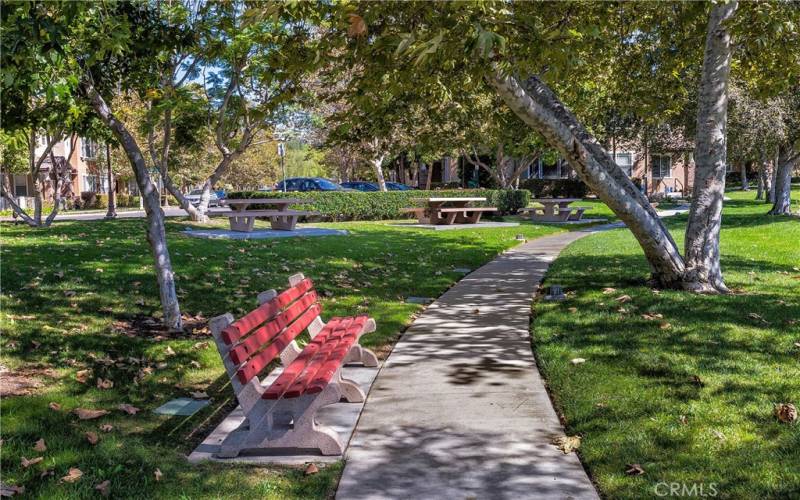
194	198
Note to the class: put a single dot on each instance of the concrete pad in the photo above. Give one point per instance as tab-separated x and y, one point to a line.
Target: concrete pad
459	409
569	222
437	227
261	234
419	300
182	406
342	417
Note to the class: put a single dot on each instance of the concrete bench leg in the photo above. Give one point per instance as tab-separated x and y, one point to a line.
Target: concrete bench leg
284	222
468	217
351	392
287	423
242	224
577	214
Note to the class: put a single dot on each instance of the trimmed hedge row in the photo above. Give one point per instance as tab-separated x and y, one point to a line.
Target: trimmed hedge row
357	205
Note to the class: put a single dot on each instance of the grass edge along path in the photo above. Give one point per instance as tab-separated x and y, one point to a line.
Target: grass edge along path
682	385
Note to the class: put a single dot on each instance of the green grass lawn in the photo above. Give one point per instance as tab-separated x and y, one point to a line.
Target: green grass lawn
689	396
75	298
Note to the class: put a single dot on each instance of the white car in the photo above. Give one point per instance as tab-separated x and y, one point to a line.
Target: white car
194	198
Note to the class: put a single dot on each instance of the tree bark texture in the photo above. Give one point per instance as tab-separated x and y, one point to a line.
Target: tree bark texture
782	205
112	195
156	235
538	106
703	270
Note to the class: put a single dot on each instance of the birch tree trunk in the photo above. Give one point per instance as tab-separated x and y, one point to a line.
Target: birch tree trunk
377	164
703	271
538	106
156	235
783	182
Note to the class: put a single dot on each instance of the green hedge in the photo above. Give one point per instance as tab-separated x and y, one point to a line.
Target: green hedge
357	205
555	188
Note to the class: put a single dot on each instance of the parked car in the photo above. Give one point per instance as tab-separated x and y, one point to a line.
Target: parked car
309	184
371	186
361	186
195	194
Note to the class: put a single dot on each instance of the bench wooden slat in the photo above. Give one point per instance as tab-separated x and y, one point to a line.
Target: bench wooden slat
238	329
261	336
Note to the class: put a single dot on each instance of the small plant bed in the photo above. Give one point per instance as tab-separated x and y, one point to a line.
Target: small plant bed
80	315
674	387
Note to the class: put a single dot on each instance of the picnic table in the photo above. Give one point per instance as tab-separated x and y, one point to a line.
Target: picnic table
555	210
447	211
281	218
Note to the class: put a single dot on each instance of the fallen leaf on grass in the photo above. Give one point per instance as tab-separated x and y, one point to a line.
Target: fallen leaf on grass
158	474
652	316
199	395
84	414
683	420
104	383
33	461
104	488
786	412
129	409
623	298
311	469
573	310
665	326
200	345
169	351
195	364
83	375
73	475
609	290
69	293
40	446
696	380
567	444
634	470
577	361
718	434
92	437
106	427
54	406
10	491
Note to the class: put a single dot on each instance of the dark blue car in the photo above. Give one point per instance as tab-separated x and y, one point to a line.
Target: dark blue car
371	186
309	184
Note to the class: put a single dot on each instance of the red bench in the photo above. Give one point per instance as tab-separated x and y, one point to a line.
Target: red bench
282	414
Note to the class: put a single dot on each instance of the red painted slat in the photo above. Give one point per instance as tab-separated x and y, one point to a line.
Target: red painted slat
271	330
263	358
295	368
264	312
315	365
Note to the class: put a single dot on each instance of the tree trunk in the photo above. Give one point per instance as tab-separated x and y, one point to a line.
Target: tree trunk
773	179
537	106
377	164
112	195
57	176
703	271
783	182
745	183
156	235
760	183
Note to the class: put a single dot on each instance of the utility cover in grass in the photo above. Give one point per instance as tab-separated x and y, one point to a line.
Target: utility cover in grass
462	270
419	300
182	406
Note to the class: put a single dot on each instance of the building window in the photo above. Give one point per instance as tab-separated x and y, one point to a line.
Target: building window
625	162
662	166
88	148
21	185
93	183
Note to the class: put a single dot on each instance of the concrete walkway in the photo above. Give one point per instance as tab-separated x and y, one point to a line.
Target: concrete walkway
459	410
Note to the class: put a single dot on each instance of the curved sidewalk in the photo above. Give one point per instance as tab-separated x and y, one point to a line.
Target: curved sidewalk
459	409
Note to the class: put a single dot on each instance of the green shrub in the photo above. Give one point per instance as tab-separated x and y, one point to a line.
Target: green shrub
357	205
555	188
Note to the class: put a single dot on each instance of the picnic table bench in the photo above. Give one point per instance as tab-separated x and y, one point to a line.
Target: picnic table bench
281	218
555	210
447	211
283	414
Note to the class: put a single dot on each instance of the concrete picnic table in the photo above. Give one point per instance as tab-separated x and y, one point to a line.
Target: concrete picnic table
449	210
281	218
555	210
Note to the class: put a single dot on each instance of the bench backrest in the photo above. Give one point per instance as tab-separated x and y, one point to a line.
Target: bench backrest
260	336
